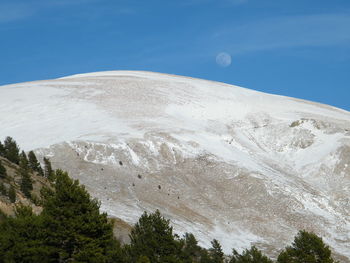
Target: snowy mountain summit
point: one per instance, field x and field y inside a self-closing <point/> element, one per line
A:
<point x="220" y="161"/>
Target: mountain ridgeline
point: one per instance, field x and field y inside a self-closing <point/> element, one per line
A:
<point x="69" y="226"/>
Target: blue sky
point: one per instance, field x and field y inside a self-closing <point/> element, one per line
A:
<point x="298" y="48"/>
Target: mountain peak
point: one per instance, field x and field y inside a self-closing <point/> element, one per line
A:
<point x="238" y="165"/>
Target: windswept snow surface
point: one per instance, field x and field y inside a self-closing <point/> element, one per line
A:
<point x="220" y="161"/>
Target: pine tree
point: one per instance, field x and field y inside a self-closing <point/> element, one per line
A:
<point x="252" y="255"/>
<point x="74" y="226"/>
<point x="48" y="171"/>
<point x="190" y="250"/>
<point x="23" y="160"/>
<point x="153" y="237"/>
<point x="70" y="229"/>
<point x="216" y="253"/>
<point x="3" y="173"/>
<point x="26" y="181"/>
<point x="12" y="194"/>
<point x="205" y="257"/>
<point x="11" y="150"/>
<point x="34" y="164"/>
<point x="2" y="150"/>
<point x="307" y="247"/>
<point x="21" y="238"/>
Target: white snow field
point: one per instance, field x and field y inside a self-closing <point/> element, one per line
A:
<point x="218" y="160"/>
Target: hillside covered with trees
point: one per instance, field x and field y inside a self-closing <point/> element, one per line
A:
<point x="54" y="219"/>
<point x="21" y="178"/>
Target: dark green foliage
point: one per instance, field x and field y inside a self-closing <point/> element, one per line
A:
<point x="12" y="194"/>
<point x="40" y="171"/>
<point x="216" y="253"/>
<point x="143" y="259"/>
<point x="2" y="171"/>
<point x="3" y="189"/>
<point x="26" y="181"/>
<point x="3" y="217"/>
<point x="23" y="160"/>
<point x="205" y="257"/>
<point x="191" y="252"/>
<point x="252" y="255"/>
<point x="307" y="247"/>
<point x="153" y="237"/>
<point x="70" y="229"/>
<point x="36" y="200"/>
<point x="74" y="226"/>
<point x="11" y="150"/>
<point x="34" y="164"/>
<point x="2" y="150"/>
<point x="48" y="171"/>
<point x="20" y="240"/>
<point x="33" y="161"/>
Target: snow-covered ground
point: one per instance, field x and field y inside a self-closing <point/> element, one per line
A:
<point x="233" y="164"/>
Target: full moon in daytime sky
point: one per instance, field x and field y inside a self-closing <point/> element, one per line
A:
<point x="223" y="59"/>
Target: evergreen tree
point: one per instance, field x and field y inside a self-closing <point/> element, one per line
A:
<point x="11" y="150"/>
<point x="26" y="182"/>
<point x="12" y="194"/>
<point x="307" y="247"/>
<point x="23" y="160"/>
<point x="216" y="253"/>
<point x="34" y="164"/>
<point x="252" y="255"/>
<point x="74" y="226"/>
<point x="205" y="257"/>
<point x="21" y="238"/>
<point x="153" y="237"/>
<point x="190" y="250"/>
<point x="2" y="150"/>
<point x="70" y="229"/>
<point x="48" y="171"/>
<point x="2" y="171"/>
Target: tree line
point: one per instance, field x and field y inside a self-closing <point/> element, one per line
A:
<point x="71" y="228"/>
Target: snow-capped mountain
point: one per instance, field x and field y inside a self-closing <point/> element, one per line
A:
<point x="220" y="161"/>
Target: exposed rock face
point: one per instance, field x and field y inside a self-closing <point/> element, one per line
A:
<point x="220" y="161"/>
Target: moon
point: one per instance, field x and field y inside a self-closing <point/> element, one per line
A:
<point x="223" y="59"/>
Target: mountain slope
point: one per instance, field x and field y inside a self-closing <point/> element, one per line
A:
<point x="13" y="179"/>
<point x="219" y="160"/>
